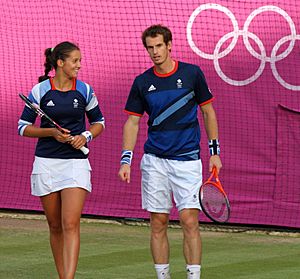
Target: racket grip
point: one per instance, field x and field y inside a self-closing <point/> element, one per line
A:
<point x="84" y="150"/>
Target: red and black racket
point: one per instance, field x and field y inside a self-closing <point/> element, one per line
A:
<point x="213" y="199"/>
<point x="41" y="113"/>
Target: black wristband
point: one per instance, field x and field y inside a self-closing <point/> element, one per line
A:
<point x="214" y="147"/>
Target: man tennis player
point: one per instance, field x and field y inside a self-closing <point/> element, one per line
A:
<point x="170" y="93"/>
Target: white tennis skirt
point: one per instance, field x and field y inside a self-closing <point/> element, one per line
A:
<point x="52" y="175"/>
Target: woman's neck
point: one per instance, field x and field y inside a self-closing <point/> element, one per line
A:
<point x="62" y="84"/>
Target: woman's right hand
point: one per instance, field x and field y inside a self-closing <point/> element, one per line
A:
<point x="62" y="136"/>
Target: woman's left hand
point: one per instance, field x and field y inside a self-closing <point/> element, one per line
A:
<point x="78" y="141"/>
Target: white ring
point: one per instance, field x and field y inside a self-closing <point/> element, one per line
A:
<point x="253" y="77"/>
<point x="288" y="19"/>
<point x="246" y="34"/>
<point x="190" y="25"/>
<point x="273" y="61"/>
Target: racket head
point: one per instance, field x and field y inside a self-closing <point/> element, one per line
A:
<point x="213" y="200"/>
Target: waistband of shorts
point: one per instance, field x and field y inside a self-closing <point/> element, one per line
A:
<point x="174" y="158"/>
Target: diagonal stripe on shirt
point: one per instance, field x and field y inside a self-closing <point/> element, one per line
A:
<point x="169" y="111"/>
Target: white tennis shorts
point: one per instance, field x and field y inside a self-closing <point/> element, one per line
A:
<point x="163" y="179"/>
<point x="52" y="175"/>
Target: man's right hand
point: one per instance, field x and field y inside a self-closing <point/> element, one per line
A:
<point x="124" y="173"/>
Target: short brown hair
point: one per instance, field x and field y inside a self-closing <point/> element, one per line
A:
<point x="155" y="30"/>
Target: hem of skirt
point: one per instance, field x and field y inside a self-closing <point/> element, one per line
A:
<point x="88" y="189"/>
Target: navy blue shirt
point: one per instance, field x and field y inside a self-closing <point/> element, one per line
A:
<point x="171" y="101"/>
<point x="68" y="109"/>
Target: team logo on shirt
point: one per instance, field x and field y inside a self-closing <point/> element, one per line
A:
<point x="50" y="104"/>
<point x="151" y="88"/>
<point x="75" y="103"/>
<point x="179" y="83"/>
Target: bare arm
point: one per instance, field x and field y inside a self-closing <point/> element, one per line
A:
<point x="130" y="133"/>
<point x="211" y="127"/>
<point x="96" y="129"/>
<point x="37" y="132"/>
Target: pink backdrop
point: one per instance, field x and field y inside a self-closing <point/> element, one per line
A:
<point x="249" y="53"/>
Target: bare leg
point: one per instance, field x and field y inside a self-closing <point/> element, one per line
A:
<point x="52" y="208"/>
<point x="191" y="236"/>
<point x="159" y="239"/>
<point x="72" y="205"/>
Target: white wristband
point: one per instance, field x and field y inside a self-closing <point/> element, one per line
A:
<point x="88" y="135"/>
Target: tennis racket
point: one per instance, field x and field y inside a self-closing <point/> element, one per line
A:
<point x="40" y="113"/>
<point x="213" y="199"/>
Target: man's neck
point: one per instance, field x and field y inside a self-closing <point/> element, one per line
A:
<point x="165" y="68"/>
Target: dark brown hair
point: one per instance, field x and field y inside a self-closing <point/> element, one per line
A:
<point x="155" y="30"/>
<point x="61" y="51"/>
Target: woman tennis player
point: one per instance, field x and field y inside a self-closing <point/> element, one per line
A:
<point x="61" y="172"/>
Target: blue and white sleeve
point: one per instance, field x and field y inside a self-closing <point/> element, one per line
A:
<point x="28" y="116"/>
<point x="92" y="109"/>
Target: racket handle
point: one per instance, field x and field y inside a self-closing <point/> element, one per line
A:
<point x="85" y="150"/>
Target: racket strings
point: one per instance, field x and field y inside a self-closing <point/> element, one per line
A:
<point x="214" y="203"/>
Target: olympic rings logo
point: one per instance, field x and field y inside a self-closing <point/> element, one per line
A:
<point x="262" y="56"/>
